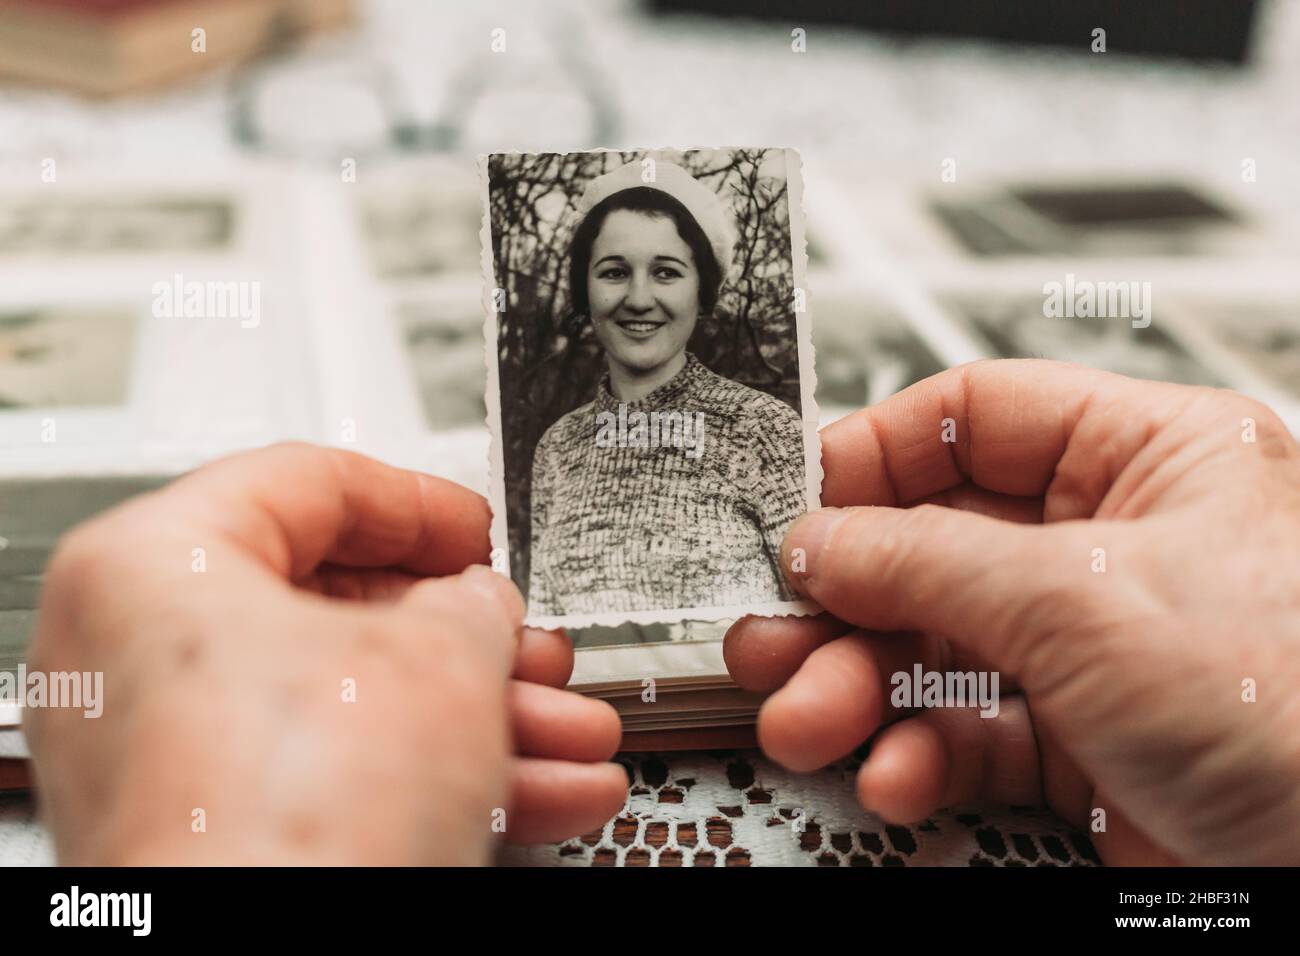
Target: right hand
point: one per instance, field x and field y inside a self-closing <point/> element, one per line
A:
<point x="1129" y="685"/>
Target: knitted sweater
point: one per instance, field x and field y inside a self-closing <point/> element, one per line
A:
<point x="628" y="519"/>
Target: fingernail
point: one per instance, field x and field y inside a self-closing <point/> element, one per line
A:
<point x="494" y="587"/>
<point x="806" y="539"/>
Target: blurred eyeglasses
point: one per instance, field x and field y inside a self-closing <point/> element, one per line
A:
<point x="327" y="103"/>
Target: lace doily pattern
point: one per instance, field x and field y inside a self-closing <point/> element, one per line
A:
<point x="734" y="808"/>
<point x="23" y="841"/>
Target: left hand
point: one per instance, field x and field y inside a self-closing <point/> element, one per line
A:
<point x="230" y="613"/>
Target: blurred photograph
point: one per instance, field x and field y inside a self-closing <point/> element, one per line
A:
<point x="652" y="395"/>
<point x="444" y="346"/>
<point x="866" y="350"/>
<point x="65" y="356"/>
<point x="418" y="224"/>
<point x="1015" y="327"/>
<point x="92" y="227"/>
<point x="1260" y="337"/>
<point x="1092" y="220"/>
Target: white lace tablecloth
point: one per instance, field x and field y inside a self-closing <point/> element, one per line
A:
<point x="23" y="841"/>
<point x="734" y="808"/>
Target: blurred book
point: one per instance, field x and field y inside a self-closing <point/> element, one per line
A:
<point x="1219" y="30"/>
<point x="111" y="47"/>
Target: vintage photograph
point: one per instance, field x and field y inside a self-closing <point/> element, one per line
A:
<point x="87" y="227"/>
<point x="590" y="638"/>
<point x="651" y="387"/>
<point x="419" y="221"/>
<point x="1262" y="336"/>
<point x="1015" y="327"/>
<point x="65" y="356"/>
<point x="866" y="350"/>
<point x="443" y="342"/>
<point x="1101" y="219"/>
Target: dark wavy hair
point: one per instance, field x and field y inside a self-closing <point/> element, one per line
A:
<point x="652" y="202"/>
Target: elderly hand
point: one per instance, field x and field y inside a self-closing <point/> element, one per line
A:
<point x="1125" y="554"/>
<point x="303" y="663"/>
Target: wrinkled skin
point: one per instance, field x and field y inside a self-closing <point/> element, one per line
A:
<point x="1124" y="688"/>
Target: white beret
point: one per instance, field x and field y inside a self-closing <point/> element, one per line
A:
<point x="700" y="201"/>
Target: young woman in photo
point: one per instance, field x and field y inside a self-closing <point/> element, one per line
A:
<point x="638" y="523"/>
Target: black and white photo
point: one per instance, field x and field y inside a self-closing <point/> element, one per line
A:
<point x="650" y="385"/>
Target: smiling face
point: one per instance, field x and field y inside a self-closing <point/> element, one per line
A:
<point x="643" y="288"/>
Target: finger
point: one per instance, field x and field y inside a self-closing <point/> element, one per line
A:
<point x="359" y="584"/>
<point x="293" y="506"/>
<point x="545" y="657"/>
<point x="1016" y="427"/>
<point x="1065" y="788"/>
<point x="971" y="497"/>
<point x="1121" y="842"/>
<point x="553" y="723"/>
<point x="552" y="800"/>
<point x="839" y="697"/>
<point x="478" y="611"/>
<point x="996" y="587"/>
<point x="951" y="757"/>
<point x="762" y="653"/>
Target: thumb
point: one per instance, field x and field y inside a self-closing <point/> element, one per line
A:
<point x="481" y="607"/>
<point x="999" y="588"/>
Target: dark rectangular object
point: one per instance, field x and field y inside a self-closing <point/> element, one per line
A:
<point x="1194" y="29"/>
<point x="1116" y="204"/>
